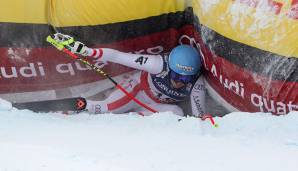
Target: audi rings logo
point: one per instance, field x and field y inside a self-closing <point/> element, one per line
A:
<point x="185" y="39"/>
<point x="97" y="109"/>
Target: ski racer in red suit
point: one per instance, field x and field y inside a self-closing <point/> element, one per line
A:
<point x="163" y="80"/>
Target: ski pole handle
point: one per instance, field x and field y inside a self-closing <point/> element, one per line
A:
<point x="56" y="44"/>
<point x="60" y="45"/>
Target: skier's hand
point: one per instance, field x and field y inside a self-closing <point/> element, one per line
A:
<point x="72" y="45"/>
<point x="78" y="48"/>
<point x="63" y="38"/>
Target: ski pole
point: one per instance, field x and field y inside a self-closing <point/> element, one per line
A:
<point x="61" y="47"/>
<point x="208" y="116"/>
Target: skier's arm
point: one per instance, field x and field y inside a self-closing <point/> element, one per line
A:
<point x="150" y="63"/>
<point x="197" y="98"/>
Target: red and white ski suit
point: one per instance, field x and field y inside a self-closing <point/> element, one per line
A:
<point x="150" y="86"/>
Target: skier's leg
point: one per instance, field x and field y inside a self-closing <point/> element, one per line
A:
<point x="160" y="107"/>
<point x="117" y="101"/>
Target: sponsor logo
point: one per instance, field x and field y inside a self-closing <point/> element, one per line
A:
<point x="80" y="104"/>
<point x="235" y="86"/>
<point x="185" y="39"/>
<point x="97" y="109"/>
<point x="199" y="87"/>
<point x="185" y="68"/>
<point x="167" y="90"/>
<point x="255" y="98"/>
<point x="33" y="70"/>
<point x="274" y="6"/>
<point x="197" y="102"/>
<point x="267" y="105"/>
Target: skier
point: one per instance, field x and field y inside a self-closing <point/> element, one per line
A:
<point x="163" y="80"/>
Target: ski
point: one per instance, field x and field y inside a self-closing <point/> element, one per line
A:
<point x="76" y="104"/>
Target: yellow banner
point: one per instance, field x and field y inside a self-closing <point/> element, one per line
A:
<point x="266" y="24"/>
<point x="23" y="11"/>
<point x="95" y="12"/>
<point x="84" y="12"/>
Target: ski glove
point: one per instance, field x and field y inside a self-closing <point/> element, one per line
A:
<point x="69" y="43"/>
<point x="79" y="48"/>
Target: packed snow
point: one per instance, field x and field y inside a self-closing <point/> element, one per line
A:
<point x="162" y="142"/>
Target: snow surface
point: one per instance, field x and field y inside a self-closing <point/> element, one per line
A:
<point x="56" y="142"/>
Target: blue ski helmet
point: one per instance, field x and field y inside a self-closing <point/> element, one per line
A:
<point x="185" y="60"/>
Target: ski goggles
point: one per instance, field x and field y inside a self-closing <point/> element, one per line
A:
<point x="182" y="78"/>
